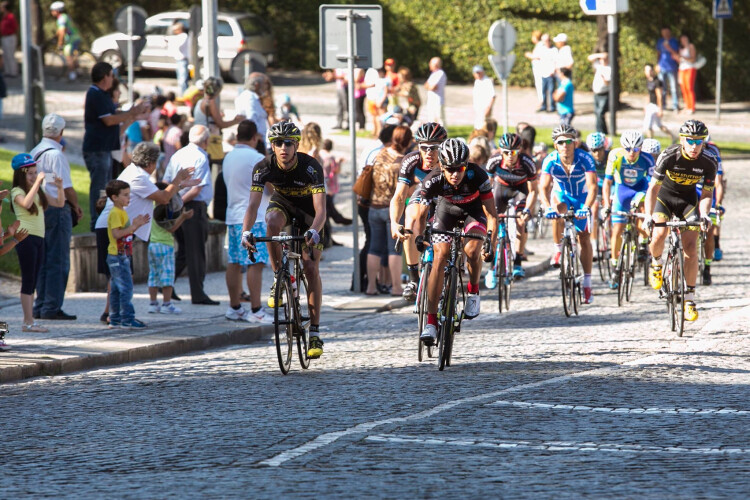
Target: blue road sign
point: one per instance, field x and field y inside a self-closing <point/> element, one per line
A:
<point x="722" y="9"/>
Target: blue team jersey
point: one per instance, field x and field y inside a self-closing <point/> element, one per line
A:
<point x="575" y="183"/>
<point x="712" y="149"/>
<point x="633" y="175"/>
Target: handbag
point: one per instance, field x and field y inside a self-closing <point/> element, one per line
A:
<point x="699" y="62"/>
<point x="215" y="148"/>
<point x="363" y="184"/>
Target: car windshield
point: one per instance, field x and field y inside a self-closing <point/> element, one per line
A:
<point x="253" y="26"/>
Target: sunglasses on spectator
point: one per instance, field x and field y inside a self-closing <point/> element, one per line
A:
<point x="694" y="142"/>
<point x="429" y="148"/>
<point x="283" y="142"/>
<point x="564" y="141"/>
<point x="632" y="150"/>
<point x="455" y="170"/>
<point x="510" y="152"/>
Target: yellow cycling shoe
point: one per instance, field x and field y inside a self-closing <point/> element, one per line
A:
<point x="691" y="312"/>
<point x="272" y="297"/>
<point x="655" y="277"/>
<point x="316" y="348"/>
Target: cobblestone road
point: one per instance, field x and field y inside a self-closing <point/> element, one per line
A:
<point x="607" y="404"/>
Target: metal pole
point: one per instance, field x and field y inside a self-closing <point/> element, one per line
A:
<point x="209" y="30"/>
<point x="614" y="84"/>
<point x="350" y="27"/>
<point x="719" y="47"/>
<point x="506" y="120"/>
<point x="131" y="63"/>
<point x="27" y="75"/>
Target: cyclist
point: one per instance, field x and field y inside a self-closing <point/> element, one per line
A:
<point x="464" y="193"/>
<point x="628" y="170"/>
<point x="299" y="193"/>
<point x="68" y="37"/>
<point x="414" y="167"/>
<point x="574" y="175"/>
<point x="597" y="144"/>
<point x="514" y="179"/>
<point x="652" y="147"/>
<point x="716" y="212"/>
<point x="672" y="193"/>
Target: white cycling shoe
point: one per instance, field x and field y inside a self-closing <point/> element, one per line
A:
<point x="472" y="306"/>
<point x="429" y="334"/>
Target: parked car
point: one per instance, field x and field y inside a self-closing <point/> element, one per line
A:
<point x="241" y="37"/>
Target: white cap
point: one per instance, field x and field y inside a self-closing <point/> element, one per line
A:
<point x="52" y="125"/>
<point x="561" y="37"/>
<point x="58" y="6"/>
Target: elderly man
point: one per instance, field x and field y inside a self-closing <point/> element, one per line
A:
<point x="248" y="103"/>
<point x="483" y="96"/>
<point x="193" y="234"/>
<point x="58" y="221"/>
<point x="435" y="86"/>
<point x="564" y="52"/>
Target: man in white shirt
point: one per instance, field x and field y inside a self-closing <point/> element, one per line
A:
<point x="58" y="221"/>
<point x="192" y="235"/>
<point x="547" y="55"/>
<point x="435" y="86"/>
<point x="237" y="170"/>
<point x="564" y="52"/>
<point x="248" y="104"/>
<point x="177" y="46"/>
<point x="600" y="86"/>
<point x="484" y="96"/>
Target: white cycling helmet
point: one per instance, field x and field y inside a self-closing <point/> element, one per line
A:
<point x="651" y="146"/>
<point x="58" y="6"/>
<point x="631" y="139"/>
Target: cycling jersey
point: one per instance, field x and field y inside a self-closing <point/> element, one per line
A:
<point x="71" y="32"/>
<point x="412" y="169"/>
<point x="679" y="175"/>
<point x="713" y="149"/>
<point x="573" y="184"/>
<point x="516" y="176"/>
<point x="474" y="186"/>
<point x="294" y="186"/>
<point x="634" y="175"/>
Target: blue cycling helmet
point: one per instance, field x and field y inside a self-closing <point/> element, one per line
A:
<point x="596" y="140"/>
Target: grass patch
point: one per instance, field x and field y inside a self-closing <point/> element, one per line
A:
<point x="81" y="182"/>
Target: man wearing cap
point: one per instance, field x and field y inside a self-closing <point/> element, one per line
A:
<point x="58" y="221"/>
<point x="564" y="53"/>
<point x="483" y="95"/>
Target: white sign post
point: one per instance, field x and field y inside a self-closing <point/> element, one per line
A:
<point x="722" y="10"/>
<point x="502" y="39"/>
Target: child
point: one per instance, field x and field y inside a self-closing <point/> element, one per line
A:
<point x="287" y="110"/>
<point x="29" y="202"/>
<point x="161" y="259"/>
<point x="120" y="233"/>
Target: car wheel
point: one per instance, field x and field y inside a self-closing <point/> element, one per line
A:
<point x="114" y="58"/>
<point x="246" y="62"/>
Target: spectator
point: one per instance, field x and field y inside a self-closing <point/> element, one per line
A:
<point x="28" y="202"/>
<point x="157" y="111"/>
<point x="654" y="108"/>
<point x="170" y="107"/>
<point x="687" y="72"/>
<point x="342" y="96"/>
<point x="564" y="58"/>
<point x="311" y="140"/>
<point x="534" y="56"/>
<point x="8" y="39"/>
<point x="360" y="93"/>
<point x="172" y="138"/>
<point x="137" y="132"/>
<point x="208" y="113"/>
<point x="527" y="133"/>
<point x="177" y="45"/>
<point x="435" y="86"/>
<point x="102" y="131"/>
<point x="408" y="93"/>
<point x="377" y="96"/>
<point x="483" y="96"/>
<point x="58" y="220"/>
<point x="237" y="169"/>
<point x="667" y="48"/>
<point x="331" y="168"/>
<point x="600" y="86"/>
<point x="248" y="103"/>
<point x="385" y="171"/>
<point x="119" y="256"/>
<point x="14" y="234"/>
<point x="267" y="99"/>
<point x="161" y="254"/>
<point x="547" y="55"/>
<point x="564" y="97"/>
<point x="287" y="110"/>
<point x="479" y="152"/>
<point x="193" y="234"/>
<point x="490" y="129"/>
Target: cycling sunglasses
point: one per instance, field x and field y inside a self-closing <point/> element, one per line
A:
<point x="283" y="142"/>
<point x="455" y="170"/>
<point x="694" y="142"/>
<point x="632" y="150"/>
<point x="564" y="141"/>
<point x="429" y="148"/>
<point x="510" y="152"/>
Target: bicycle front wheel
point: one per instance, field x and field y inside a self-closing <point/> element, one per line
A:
<point x="678" y="292"/>
<point x="284" y="321"/>
<point x="303" y="336"/>
<point x="565" y="281"/>
<point x="575" y="280"/>
<point x="500" y="274"/>
<point x="508" y="267"/>
<point x="632" y="263"/>
<point x="448" y="319"/>
<point x="55" y="65"/>
<point x="622" y="269"/>
<point x="422" y="310"/>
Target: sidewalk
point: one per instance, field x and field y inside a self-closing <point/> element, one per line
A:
<point x="86" y="343"/>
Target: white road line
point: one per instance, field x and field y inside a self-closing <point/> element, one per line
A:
<point x="618" y="409"/>
<point x="553" y="445"/>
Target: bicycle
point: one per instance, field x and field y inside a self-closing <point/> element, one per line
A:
<point x="504" y="257"/>
<point x="604" y="248"/>
<point x="570" y="273"/>
<point x="626" y="266"/>
<point x="539" y="224"/>
<point x="56" y="65"/>
<point x="673" y="284"/>
<point x="451" y="308"/>
<point x="420" y="304"/>
<point x="291" y="316"/>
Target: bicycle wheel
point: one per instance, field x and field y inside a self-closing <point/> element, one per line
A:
<point x="448" y="316"/>
<point x="55" y="65"/>
<point x="422" y="310"/>
<point x="574" y="281"/>
<point x="85" y="62"/>
<point x="303" y="336"/>
<point x="621" y="269"/>
<point x="601" y="261"/>
<point x="508" y="283"/>
<point x="283" y="321"/>
<point x="666" y="289"/>
<point x="632" y="263"/>
<point x="565" y="270"/>
<point x="500" y="274"/>
<point x="701" y="244"/>
<point x="678" y="292"/>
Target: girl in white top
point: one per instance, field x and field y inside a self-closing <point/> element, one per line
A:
<point x="687" y="72"/>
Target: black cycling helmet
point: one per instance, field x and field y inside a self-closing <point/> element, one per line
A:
<point x="284" y="130"/>
<point x="453" y="153"/>
<point x="693" y="128"/>
<point x="509" y="141"/>
<point x="563" y="130"/>
<point x="430" y="132"/>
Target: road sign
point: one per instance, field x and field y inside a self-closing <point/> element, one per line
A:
<point x="604" y="7"/>
<point x="502" y="37"/>
<point x="138" y="44"/>
<point x="368" y="32"/>
<point x="722" y="9"/>
<point x="502" y="65"/>
<point x="139" y="19"/>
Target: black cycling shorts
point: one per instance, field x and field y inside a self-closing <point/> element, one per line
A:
<point x="292" y="212"/>
<point x="504" y="194"/>
<point x="448" y="216"/>
<point x="671" y="204"/>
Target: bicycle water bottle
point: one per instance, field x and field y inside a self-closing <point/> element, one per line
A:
<point x="428" y="255"/>
<point x="501" y="231"/>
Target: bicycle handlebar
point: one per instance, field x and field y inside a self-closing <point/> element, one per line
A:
<point x="627" y="214"/>
<point x="277" y="239"/>
<point x="679" y="223"/>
